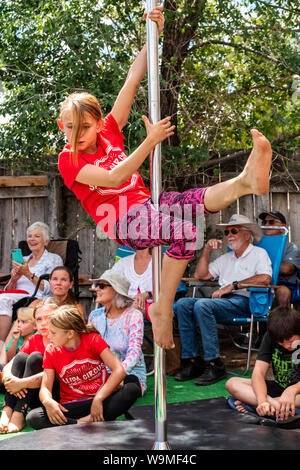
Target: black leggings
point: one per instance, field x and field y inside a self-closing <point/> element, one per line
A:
<point x="25" y="365"/>
<point x="113" y="406"/>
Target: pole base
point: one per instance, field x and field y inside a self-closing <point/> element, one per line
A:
<point x="161" y="446"/>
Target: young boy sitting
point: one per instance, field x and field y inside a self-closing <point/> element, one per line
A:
<point x="280" y="347"/>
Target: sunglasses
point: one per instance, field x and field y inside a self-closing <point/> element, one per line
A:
<point x="270" y="222"/>
<point x="234" y="231"/>
<point x="101" y="285"/>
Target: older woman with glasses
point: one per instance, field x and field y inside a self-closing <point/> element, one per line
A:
<point x="121" y="326"/>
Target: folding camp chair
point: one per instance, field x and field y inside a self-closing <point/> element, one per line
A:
<point x="261" y="297"/>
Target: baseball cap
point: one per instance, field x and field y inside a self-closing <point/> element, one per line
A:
<point x="275" y="214"/>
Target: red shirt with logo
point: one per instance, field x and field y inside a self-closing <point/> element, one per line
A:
<point x="81" y="372"/>
<point x="105" y="205"/>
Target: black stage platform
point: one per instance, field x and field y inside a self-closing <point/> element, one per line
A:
<point x="196" y="425"/>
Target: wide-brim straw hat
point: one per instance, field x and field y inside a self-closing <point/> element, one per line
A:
<point x="117" y="281"/>
<point x="242" y="220"/>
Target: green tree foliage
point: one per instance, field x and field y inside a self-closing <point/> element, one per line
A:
<point x="226" y="66"/>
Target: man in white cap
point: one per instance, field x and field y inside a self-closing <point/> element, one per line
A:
<point x="244" y="264"/>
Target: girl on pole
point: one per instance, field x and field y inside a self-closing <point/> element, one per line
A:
<point x="106" y="181"/>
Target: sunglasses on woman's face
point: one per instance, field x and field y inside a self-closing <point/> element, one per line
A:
<point x="234" y="231"/>
<point x="102" y="286"/>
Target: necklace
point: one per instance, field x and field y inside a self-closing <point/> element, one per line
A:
<point x="108" y="311"/>
<point x="106" y="325"/>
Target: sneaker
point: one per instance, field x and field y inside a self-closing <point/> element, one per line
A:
<point x="190" y="371"/>
<point x="212" y="374"/>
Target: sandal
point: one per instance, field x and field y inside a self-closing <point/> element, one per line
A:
<point x="231" y="402"/>
<point x="289" y="422"/>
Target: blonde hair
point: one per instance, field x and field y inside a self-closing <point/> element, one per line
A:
<point x="26" y="314"/>
<point x="80" y="104"/>
<point x="45" y="302"/>
<point x="68" y="317"/>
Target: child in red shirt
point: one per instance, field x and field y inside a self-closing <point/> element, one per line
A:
<point x="79" y="358"/>
<point x="23" y="374"/>
<point x="94" y="166"/>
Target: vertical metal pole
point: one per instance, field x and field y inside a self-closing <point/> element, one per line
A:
<point x="155" y="161"/>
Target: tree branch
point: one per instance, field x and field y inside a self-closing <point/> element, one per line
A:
<point x="236" y="46"/>
<point x="283" y="138"/>
<point x="279" y="7"/>
<point x="245" y="152"/>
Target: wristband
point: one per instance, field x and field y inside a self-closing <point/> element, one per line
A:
<point x="32" y="277"/>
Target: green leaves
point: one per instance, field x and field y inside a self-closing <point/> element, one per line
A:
<point x="227" y="66"/>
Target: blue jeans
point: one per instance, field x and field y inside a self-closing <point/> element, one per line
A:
<point x="207" y="313"/>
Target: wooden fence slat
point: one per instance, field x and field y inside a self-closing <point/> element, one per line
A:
<point x="37" y="211"/>
<point x="15" y="181"/>
<point x="262" y="204"/>
<point x="21" y="220"/>
<point x="6" y="239"/>
<point x="86" y="242"/>
<point x="294" y="214"/>
<point x="31" y="204"/>
<point x="246" y="206"/>
<point x="104" y="255"/>
<point x="23" y="192"/>
<point x="280" y="203"/>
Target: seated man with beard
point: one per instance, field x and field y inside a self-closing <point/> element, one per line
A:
<point x="244" y="264"/>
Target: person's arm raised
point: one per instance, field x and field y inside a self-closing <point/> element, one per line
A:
<point x="96" y="176"/>
<point x="137" y="71"/>
<point x="202" y="272"/>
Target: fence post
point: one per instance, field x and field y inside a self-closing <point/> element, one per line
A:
<point x="54" y="205"/>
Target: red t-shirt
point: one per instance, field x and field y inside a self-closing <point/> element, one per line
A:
<point x="81" y="372"/>
<point x="34" y="343"/>
<point x="105" y="205"/>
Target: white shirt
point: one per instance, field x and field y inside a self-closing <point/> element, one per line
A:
<point x="143" y="281"/>
<point x="228" y="268"/>
<point x="45" y="264"/>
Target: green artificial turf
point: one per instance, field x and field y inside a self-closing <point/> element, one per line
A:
<point x="183" y="391"/>
<point x="176" y="392"/>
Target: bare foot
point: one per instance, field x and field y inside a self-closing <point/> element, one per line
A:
<point x="5" y="419"/>
<point x="239" y="407"/>
<point x="162" y="327"/>
<point x="16" y="423"/>
<point x="85" y="419"/>
<point x="255" y="175"/>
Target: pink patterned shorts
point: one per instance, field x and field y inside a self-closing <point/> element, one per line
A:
<point x="145" y="226"/>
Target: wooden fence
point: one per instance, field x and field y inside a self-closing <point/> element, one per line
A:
<point x="27" y="199"/>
